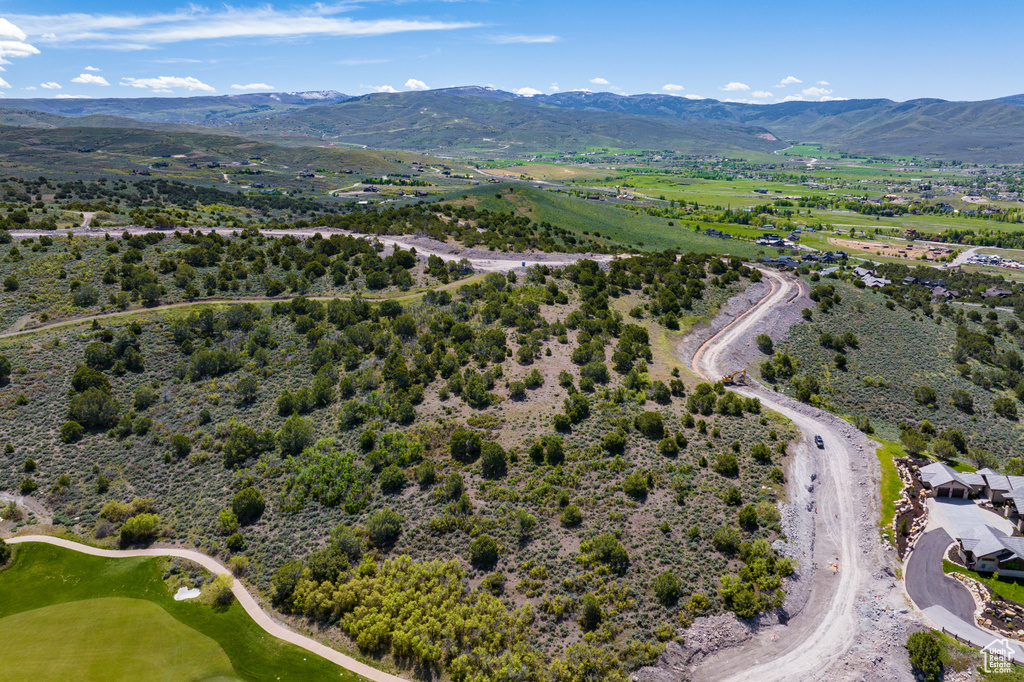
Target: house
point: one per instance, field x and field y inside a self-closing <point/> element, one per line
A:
<point x="873" y="282"/>
<point x="997" y="486"/>
<point x="993" y="291"/>
<point x="987" y="550"/>
<point x="943" y="480"/>
<point x="862" y="272"/>
<point x="909" y="280"/>
<point x="943" y="292"/>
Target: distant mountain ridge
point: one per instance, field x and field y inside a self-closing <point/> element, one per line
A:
<point x="201" y="110"/>
<point x="485" y="121"/>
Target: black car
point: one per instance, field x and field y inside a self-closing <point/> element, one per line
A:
<point x="819" y="442"/>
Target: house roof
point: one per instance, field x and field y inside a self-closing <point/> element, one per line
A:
<point x="984" y="541"/>
<point x="938" y="473"/>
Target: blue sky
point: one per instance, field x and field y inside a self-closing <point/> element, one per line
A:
<point x="731" y="49"/>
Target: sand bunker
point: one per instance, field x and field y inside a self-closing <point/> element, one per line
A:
<point x="185" y="593"/>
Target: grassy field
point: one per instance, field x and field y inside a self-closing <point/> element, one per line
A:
<point x="604" y="221"/>
<point x="109" y="638"/>
<point x="891" y="484"/>
<point x="118" y="620"/>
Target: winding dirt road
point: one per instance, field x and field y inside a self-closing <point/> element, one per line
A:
<point x="819" y="640"/>
<point x="241" y="594"/>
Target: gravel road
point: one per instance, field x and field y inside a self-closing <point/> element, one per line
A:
<point x="845" y="618"/>
<point x="481" y="259"/>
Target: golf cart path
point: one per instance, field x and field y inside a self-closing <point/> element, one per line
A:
<point x="835" y="490"/>
<point x="241" y="594"/>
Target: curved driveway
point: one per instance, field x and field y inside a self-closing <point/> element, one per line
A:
<point x="928" y="586"/>
<point x="241" y="594"/>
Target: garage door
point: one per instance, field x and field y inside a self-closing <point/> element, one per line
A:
<point x="956" y="492"/>
<point x="942" y="492"/>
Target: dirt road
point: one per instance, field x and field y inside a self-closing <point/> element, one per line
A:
<point x="250" y="605"/>
<point x="481" y="259"/>
<point x="852" y="621"/>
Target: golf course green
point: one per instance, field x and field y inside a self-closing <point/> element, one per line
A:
<point x="69" y="616"/>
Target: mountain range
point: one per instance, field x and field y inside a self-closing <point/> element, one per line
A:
<point x="486" y="122"/>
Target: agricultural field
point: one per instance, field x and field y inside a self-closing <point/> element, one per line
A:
<point x="97" y="611"/>
<point x="525" y="438"/>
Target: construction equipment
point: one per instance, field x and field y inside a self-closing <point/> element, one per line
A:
<point x="739" y="377"/>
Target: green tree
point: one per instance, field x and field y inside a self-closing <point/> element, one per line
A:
<point x="667" y="588"/>
<point x="248" y="505"/>
<point x="765" y="344"/>
<point x="247" y="389"/>
<point x="925" y="395"/>
<point x="139" y="529"/>
<point x="726" y="539"/>
<point x="392" y="479"/>
<point x="925" y="654"/>
<point x="483" y="552"/>
<point x="571" y="516"/>
<point x="295" y="435"/>
<point x="492" y="460"/>
<point x="384" y="527"/>
<point x="590" y="613"/>
<point x="5" y="368"/>
<point x="94" y="409"/>
<point x="962" y="400"/>
<point x="464" y="445"/>
<point x="651" y="425"/>
<point x="181" y="446"/>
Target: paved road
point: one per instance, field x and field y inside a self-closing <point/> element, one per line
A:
<point x="928" y="586"/>
<point x="241" y="594"/>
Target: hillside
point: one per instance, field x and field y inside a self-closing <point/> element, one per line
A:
<point x="478" y="120"/>
<point x="486" y="122"/>
<point x="203" y="110"/>
<point x="514" y="458"/>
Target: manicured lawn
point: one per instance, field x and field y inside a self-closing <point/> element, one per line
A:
<point x="44" y="585"/>
<point x="891" y="484"/>
<point x="1007" y="588"/>
<point x="89" y="639"/>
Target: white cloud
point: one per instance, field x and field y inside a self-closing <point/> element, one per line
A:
<point x="91" y="68"/>
<point x="554" y="87"/>
<point x="599" y="81"/>
<point x="12" y="42"/>
<point x="793" y="98"/>
<point x="788" y="80"/>
<point x="63" y="96"/>
<point x="761" y="94"/>
<point x="252" y="86"/>
<point x="528" y="92"/>
<point x="31" y="87"/>
<point x="89" y="79"/>
<point x="834" y="99"/>
<point x="143" y="31"/>
<point x="4" y="84"/>
<point x="414" y="84"/>
<point x="692" y="96"/>
<point x="167" y="83"/>
<point x="380" y="88"/>
<point x="735" y="87"/>
<point x="815" y="93"/>
<point x="520" y="38"/>
<point x="50" y="86"/>
<point x="672" y="87"/>
<point x="823" y="83"/>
